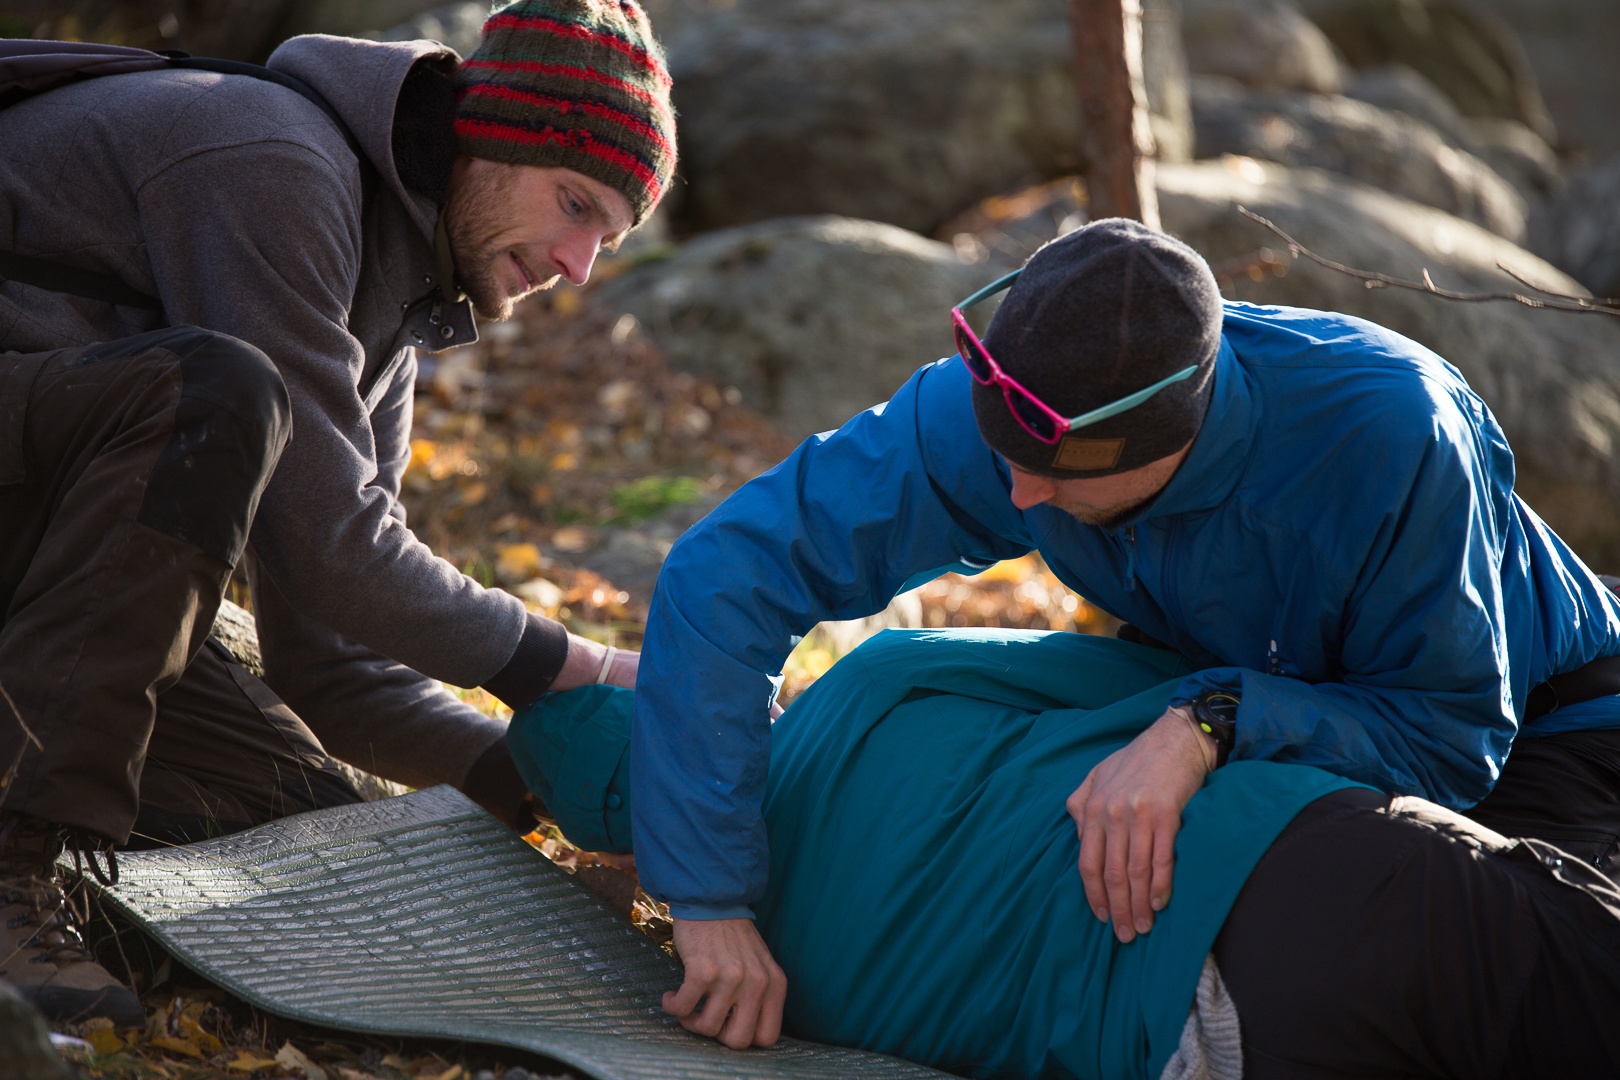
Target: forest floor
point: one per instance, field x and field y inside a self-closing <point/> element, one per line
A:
<point x="531" y="448"/>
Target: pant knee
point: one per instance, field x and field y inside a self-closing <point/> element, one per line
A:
<point x="239" y="379"/>
<point x="231" y="423"/>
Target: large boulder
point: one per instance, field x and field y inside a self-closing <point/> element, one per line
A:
<point x="1572" y="45"/>
<point x="813" y="319"/>
<point x="1398" y="88"/>
<point x="1266" y="44"/>
<point x="1388" y="150"/>
<point x="902" y="111"/>
<point x="1519" y="156"/>
<point x="1579" y="231"/>
<point x="1469" y="53"/>
<point x="1551" y="378"/>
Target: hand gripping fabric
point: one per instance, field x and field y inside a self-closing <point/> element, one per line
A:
<point x="424" y="916"/>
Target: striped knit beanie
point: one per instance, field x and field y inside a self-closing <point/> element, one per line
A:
<point x="579" y="84"/>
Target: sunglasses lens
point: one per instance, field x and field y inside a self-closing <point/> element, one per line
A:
<point x="1037" y="421"/>
<point x="978" y="364"/>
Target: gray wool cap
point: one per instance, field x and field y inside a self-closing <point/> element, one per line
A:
<point x="1097" y="315"/>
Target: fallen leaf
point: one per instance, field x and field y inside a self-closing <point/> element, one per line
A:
<point x="349" y="1072"/>
<point x="246" y="1063"/>
<point x="290" y="1057"/>
<point x="423" y="451"/>
<point x="105" y="1041"/>
<point x="517" y="562"/>
<point x="179" y="1046"/>
<point x="570" y="539"/>
<point x="454" y="1072"/>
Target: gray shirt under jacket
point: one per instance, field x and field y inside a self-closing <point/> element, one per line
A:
<point x="240" y="205"/>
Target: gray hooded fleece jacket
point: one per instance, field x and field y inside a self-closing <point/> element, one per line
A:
<point x="239" y="204"/>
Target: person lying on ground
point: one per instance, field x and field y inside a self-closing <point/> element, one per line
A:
<point x="1317" y="513"/>
<point x="245" y="401"/>
<point x="922" y="898"/>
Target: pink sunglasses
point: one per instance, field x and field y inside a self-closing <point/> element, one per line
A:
<point x="1034" y="415"/>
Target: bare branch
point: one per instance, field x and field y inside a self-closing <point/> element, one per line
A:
<point x="1557" y="301"/>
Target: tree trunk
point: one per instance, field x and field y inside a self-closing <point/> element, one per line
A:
<point x="1116" y="139"/>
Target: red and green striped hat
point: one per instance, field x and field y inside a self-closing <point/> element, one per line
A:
<point x="579" y="84"/>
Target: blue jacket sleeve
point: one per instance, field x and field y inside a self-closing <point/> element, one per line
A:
<point x="834" y="532"/>
<point x="1426" y="701"/>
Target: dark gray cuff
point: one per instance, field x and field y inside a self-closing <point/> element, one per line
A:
<point x="493" y="783"/>
<point x="535" y="663"/>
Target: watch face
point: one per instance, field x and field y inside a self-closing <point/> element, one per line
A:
<point x="1216" y="712"/>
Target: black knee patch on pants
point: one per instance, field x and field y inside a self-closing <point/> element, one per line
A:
<point x="230" y="426"/>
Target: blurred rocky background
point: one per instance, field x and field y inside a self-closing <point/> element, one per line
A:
<point x="850" y="168"/>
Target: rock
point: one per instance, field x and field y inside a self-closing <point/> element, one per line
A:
<point x="235" y="628"/>
<point x="1388" y="150"/>
<point x="813" y="319"/>
<point x="25" y="1042"/>
<point x="455" y="25"/>
<point x="1468" y="53"/>
<point x="630" y="556"/>
<point x="1400" y="89"/>
<point x="1579" y="231"/>
<point x="1265" y="44"/>
<point x="1550" y="378"/>
<point x="901" y="111"/>
<point x="1519" y="155"/>
<point x="1572" y="45"/>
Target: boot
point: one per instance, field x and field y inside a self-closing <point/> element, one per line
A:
<point x="42" y="956"/>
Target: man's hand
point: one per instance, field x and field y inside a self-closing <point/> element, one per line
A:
<point x="584" y="663"/>
<point x="1128" y="812"/>
<point x="728" y="964"/>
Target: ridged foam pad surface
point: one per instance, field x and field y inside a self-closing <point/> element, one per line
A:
<point x="424" y="916"/>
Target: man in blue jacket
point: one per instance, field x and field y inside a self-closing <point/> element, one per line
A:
<point x="1314" y="510"/>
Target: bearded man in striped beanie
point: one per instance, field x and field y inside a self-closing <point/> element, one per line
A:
<point x="563" y="122"/>
<point x="245" y="253"/>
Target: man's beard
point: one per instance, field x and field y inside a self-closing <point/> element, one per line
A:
<point x="473" y="219"/>
<point x="1104" y="517"/>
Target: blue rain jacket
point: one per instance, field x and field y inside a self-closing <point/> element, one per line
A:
<point x="1342" y="547"/>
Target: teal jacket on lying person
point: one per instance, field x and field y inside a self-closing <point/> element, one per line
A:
<point x="922" y="895"/>
<point x="1342" y="546"/>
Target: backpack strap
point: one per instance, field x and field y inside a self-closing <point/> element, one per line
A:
<point x="32" y="67"/>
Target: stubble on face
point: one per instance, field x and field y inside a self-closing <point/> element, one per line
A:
<point x="1104" y="517"/>
<point x="475" y="218"/>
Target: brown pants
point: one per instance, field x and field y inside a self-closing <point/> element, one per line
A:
<point x="129" y="475"/>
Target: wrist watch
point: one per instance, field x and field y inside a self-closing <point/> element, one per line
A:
<point x="1215" y="713"/>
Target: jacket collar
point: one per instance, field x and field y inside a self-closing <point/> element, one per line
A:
<point x="1220" y="451"/>
<point x="362" y="80"/>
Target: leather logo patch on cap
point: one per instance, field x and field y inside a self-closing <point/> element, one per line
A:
<point x="1081" y="454"/>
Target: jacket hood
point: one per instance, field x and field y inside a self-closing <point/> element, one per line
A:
<point x="362" y="80"/>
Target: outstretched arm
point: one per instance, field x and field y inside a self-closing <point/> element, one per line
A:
<point x="900" y="493"/>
